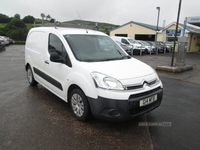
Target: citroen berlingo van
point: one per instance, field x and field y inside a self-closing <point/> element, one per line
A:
<point x="90" y="71"/>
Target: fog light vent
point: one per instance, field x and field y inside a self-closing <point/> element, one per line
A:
<point x="115" y="113"/>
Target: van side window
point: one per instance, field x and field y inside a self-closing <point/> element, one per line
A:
<point x="56" y="45"/>
<point x="124" y="41"/>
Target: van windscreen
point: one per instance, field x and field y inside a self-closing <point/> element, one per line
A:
<point x="93" y="48"/>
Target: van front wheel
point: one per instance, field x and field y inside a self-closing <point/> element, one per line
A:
<point x="79" y="105"/>
<point x="30" y="77"/>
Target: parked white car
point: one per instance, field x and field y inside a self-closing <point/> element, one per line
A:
<point x="2" y="42"/>
<point x="90" y="71"/>
<point x="5" y="39"/>
<point x="137" y="48"/>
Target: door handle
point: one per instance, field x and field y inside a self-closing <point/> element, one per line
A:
<point x="46" y="62"/>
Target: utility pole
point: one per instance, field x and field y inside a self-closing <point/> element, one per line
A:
<point x="158" y="8"/>
<point x="177" y="23"/>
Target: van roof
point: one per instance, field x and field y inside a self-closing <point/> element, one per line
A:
<point x="65" y="31"/>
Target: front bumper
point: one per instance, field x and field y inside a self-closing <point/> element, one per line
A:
<point x="138" y="51"/>
<point x="152" y="50"/>
<point x="122" y="110"/>
<point x="161" y="50"/>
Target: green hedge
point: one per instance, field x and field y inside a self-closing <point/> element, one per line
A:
<point x="20" y="42"/>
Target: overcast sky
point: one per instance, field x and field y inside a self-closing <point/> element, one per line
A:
<point x="111" y="11"/>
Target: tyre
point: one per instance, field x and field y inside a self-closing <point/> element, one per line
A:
<point x="30" y="77"/>
<point x="79" y="105"/>
<point x="146" y="51"/>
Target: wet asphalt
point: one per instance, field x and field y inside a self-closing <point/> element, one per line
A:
<point x="33" y="118"/>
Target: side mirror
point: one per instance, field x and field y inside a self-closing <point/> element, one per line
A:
<point x="122" y="44"/>
<point x="54" y="57"/>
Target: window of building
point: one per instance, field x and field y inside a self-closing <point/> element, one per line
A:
<point x="170" y="35"/>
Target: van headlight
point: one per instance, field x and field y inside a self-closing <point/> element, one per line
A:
<point x="106" y="82"/>
<point x="158" y="79"/>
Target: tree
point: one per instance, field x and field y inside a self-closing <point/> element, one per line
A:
<point x="52" y="20"/>
<point x="43" y="16"/>
<point x="16" y="29"/>
<point x="18" y="34"/>
<point x="28" y="19"/>
<point x="17" y="16"/>
<point x="15" y="23"/>
<point x="4" y="18"/>
<point x="2" y="32"/>
<point x="48" y="17"/>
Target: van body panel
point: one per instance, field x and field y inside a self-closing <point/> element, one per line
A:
<point x="83" y="80"/>
<point x="121" y="69"/>
<point x="34" y="54"/>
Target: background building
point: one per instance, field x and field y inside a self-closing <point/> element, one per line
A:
<point x="141" y="31"/>
<point x="192" y="33"/>
<point x="194" y="21"/>
<point x="136" y="30"/>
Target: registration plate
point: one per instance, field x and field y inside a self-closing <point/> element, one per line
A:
<point x="148" y="100"/>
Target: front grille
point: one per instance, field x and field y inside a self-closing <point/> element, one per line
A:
<point x="144" y="93"/>
<point x="151" y="83"/>
<point x="134" y="87"/>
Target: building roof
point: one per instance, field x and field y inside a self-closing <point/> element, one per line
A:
<point x="189" y="28"/>
<point x="194" y="20"/>
<point x="152" y="27"/>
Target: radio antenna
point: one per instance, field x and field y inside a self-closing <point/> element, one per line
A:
<point x="78" y="14"/>
<point x="81" y="19"/>
<point x="55" y="24"/>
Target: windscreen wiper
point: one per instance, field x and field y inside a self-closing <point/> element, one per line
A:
<point x="98" y="60"/>
<point x="127" y="56"/>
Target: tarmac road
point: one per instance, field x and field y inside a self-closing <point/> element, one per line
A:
<point x="33" y="118"/>
<point x="180" y="105"/>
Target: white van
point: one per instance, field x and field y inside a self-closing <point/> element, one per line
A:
<point x="137" y="47"/>
<point x="90" y="71"/>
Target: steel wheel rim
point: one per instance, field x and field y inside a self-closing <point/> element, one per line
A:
<point x="29" y="76"/>
<point x="77" y="104"/>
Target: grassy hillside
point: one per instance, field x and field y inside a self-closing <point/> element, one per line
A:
<point x="39" y="21"/>
<point x="104" y="27"/>
<point x="92" y="23"/>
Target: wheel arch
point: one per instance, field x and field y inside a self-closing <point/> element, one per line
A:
<point x="26" y="66"/>
<point x="71" y="88"/>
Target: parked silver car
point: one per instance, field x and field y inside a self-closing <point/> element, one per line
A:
<point x="167" y="47"/>
<point x="127" y="48"/>
<point x="148" y="47"/>
<point x="158" y="46"/>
